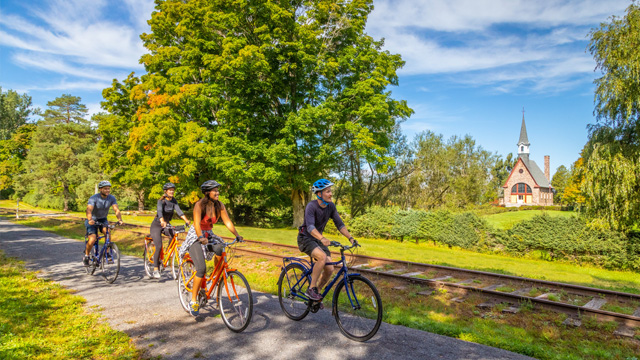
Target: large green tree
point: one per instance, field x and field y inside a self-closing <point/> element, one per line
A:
<point x="13" y="152"/>
<point x="15" y="110"/>
<point x="612" y="155"/>
<point x="559" y="182"/>
<point x="264" y="96"/>
<point x="63" y="153"/>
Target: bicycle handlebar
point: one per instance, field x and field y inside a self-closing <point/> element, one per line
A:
<point x="110" y="226"/>
<point x="345" y="247"/>
<point x="178" y="229"/>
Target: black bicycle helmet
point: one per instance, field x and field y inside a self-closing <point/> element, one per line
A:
<point x="168" y="186"/>
<point x="103" y="183"/>
<point x="209" y="185"/>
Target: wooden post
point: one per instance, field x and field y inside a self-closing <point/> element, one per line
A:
<point x="17" y="208"/>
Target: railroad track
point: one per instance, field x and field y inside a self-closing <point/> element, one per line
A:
<point x="574" y="300"/>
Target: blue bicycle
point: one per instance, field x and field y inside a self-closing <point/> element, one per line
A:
<point x="356" y="305"/>
<point x="107" y="257"/>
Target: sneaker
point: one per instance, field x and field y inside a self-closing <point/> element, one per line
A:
<point x="312" y="293"/>
<point x="194" y="308"/>
<point x="85" y="260"/>
<point x="156" y="274"/>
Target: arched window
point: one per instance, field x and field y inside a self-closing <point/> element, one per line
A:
<point x="521" y="148"/>
<point x="520" y="189"/>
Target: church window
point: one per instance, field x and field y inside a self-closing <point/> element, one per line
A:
<point x="520" y="188"/>
<point x="521" y="148"/>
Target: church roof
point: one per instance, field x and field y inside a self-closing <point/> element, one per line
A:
<point x="523" y="134"/>
<point x="536" y="173"/>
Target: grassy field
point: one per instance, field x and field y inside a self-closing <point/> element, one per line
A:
<point x="506" y="220"/>
<point x="535" y="333"/>
<point x="39" y="319"/>
<point x="626" y="281"/>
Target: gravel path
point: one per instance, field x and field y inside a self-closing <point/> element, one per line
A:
<point x="150" y="313"/>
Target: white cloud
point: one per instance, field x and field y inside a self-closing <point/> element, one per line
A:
<point x="500" y="43"/>
<point x="65" y="85"/>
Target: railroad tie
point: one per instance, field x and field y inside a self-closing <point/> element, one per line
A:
<point x="489" y="304"/>
<point x="493" y="287"/>
<point x="624" y="331"/>
<point x="441" y="278"/>
<point x="545" y="296"/>
<point x="511" y="309"/>
<point x="570" y="321"/>
<point x="595" y="303"/>
<point x="637" y="312"/>
<point x="426" y="292"/>
<point x="414" y="273"/>
<point x="523" y="291"/>
<point x="465" y="282"/>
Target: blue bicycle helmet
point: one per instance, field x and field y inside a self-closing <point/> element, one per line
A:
<point x="321" y="185"/>
<point x="103" y="183"/>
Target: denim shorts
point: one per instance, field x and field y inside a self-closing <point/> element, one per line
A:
<point x="93" y="229"/>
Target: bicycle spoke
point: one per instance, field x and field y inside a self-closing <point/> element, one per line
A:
<point x="290" y="284"/>
<point x="235" y="301"/>
<point x="357" y="308"/>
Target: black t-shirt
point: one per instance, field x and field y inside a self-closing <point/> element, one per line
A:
<point x="166" y="209"/>
<point x="317" y="217"/>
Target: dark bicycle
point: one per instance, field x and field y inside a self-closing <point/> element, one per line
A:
<point x="356" y="305"/>
<point x="106" y="258"/>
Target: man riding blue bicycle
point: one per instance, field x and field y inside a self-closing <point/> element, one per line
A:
<point x="310" y="238"/>
<point x="97" y="209"/>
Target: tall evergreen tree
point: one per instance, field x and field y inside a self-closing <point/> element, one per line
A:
<point x="63" y="151"/>
<point x="15" y="110"/>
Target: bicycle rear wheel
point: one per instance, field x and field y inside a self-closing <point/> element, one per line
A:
<point x="357" y="308"/>
<point x="148" y="259"/>
<point x="294" y="307"/>
<point x="175" y="268"/>
<point x="235" y="301"/>
<point x="185" y="282"/>
<point x="110" y="263"/>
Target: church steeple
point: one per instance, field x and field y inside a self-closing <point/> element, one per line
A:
<point x="523" y="142"/>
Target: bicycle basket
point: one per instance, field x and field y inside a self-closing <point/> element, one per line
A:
<point x="179" y="229"/>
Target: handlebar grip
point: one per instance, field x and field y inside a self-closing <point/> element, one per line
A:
<point x="335" y="243"/>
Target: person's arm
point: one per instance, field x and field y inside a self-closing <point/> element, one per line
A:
<point x="118" y="215"/>
<point x="181" y="214"/>
<point x="337" y="220"/>
<point x="89" y="217"/>
<point x="159" y="213"/>
<point x="227" y="222"/>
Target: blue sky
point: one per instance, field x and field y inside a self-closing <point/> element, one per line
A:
<point x="471" y="65"/>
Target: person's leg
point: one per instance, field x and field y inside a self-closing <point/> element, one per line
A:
<point x="197" y="255"/>
<point x="326" y="275"/>
<point x="156" y="235"/>
<point x="321" y="260"/>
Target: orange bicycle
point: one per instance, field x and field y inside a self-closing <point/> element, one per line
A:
<point x="233" y="295"/>
<point x="171" y="251"/>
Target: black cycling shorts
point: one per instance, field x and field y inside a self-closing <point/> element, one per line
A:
<point x="307" y="244"/>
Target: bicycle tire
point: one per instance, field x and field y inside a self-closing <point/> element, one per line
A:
<point x="235" y="301"/>
<point x="293" y="307"/>
<point x="362" y="321"/>
<point x="186" y="269"/>
<point x="148" y="262"/>
<point x="110" y="263"/>
<point x="174" y="264"/>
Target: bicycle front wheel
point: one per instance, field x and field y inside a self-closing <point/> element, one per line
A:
<point x="186" y="271"/>
<point x="148" y="259"/>
<point x="110" y="263"/>
<point x="235" y="301"/>
<point x="290" y="285"/>
<point x="357" y="308"/>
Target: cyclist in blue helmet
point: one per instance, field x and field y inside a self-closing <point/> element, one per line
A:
<point x="310" y="238"/>
<point x="97" y="209"/>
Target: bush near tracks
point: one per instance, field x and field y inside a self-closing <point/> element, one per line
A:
<point x="554" y="238"/>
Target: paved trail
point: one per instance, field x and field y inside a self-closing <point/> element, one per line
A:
<point x="149" y="312"/>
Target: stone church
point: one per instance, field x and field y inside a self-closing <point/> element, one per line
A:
<point x="527" y="184"/>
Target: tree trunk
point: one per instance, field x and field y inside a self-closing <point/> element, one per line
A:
<point x="140" y="200"/>
<point x="66" y="196"/>
<point x="298" y="201"/>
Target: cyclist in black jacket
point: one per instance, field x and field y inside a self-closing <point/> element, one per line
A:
<point x="167" y="205"/>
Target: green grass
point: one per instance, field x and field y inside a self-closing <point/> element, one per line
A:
<point x="39" y="319"/>
<point x="626" y="281"/>
<point x="538" y="334"/>
<point x="506" y="220"/>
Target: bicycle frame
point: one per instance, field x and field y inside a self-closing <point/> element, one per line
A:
<point x="99" y="253"/>
<point x="171" y="248"/>
<point x="219" y="274"/>
<point x="306" y="276"/>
